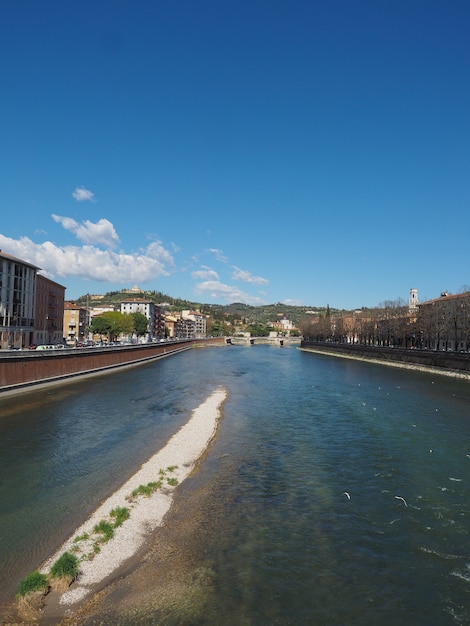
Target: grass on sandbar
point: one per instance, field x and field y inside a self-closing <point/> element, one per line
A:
<point x="120" y="514"/>
<point x="33" y="582"/>
<point x="146" y="490"/>
<point x="66" y="565"/>
<point x="105" y="529"/>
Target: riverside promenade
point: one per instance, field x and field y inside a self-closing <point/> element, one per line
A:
<point x="23" y="370"/>
<point x="453" y="364"/>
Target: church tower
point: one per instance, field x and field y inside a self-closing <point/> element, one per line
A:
<point x="413" y="303"/>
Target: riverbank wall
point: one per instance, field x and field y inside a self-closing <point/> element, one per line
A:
<point x="448" y="363"/>
<point x="21" y="370"/>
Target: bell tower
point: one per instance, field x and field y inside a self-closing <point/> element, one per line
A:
<point x="413" y="303"/>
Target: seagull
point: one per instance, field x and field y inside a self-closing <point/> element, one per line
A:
<point x="347" y="495"/>
<point x="400" y="498"/>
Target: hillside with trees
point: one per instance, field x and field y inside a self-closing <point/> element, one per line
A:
<point x="229" y="314"/>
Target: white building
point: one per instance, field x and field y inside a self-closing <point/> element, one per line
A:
<point x="192" y="325"/>
<point x="146" y="307"/>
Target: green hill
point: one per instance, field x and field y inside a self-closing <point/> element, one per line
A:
<point x="229" y="313"/>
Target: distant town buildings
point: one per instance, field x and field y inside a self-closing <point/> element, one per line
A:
<point x="33" y="311"/>
<point x="283" y="326"/>
<point x="439" y="324"/>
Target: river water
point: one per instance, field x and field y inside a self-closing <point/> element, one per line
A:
<point x="346" y="485"/>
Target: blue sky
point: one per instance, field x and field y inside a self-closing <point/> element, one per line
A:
<point x="258" y="151"/>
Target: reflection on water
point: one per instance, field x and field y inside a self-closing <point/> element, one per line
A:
<point x="342" y="488"/>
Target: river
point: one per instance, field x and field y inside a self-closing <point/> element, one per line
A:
<point x="344" y="486"/>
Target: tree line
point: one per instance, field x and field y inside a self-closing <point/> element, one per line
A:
<point x="112" y="324"/>
<point x="441" y="324"/>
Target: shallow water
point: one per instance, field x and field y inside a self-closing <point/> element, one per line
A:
<point x="344" y="486"/>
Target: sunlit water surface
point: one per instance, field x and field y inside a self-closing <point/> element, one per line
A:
<point x="346" y="492"/>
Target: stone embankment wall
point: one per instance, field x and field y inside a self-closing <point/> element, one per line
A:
<point x="20" y="370"/>
<point x="450" y="362"/>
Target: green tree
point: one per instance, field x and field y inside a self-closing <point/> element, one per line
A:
<point x="100" y="326"/>
<point x="218" y="329"/>
<point x="116" y="323"/>
<point x="141" y="323"/>
<point x="127" y="324"/>
<point x="259" y="330"/>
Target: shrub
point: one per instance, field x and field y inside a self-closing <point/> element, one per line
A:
<point x="64" y="572"/>
<point x="33" y="582"/>
<point x="172" y="481"/>
<point x="65" y="566"/>
<point x="105" y="529"/>
<point x="172" y="468"/>
<point x="120" y="515"/>
<point x="146" y="490"/>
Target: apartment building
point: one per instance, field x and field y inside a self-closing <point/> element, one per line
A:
<point x="76" y="323"/>
<point x="17" y="301"/>
<point x="191" y="325"/>
<point x="48" y="312"/>
<point x="444" y="323"/>
<point x="145" y="307"/>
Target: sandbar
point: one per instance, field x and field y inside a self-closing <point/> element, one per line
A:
<point x="170" y="466"/>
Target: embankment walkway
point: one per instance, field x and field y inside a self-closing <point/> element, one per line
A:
<point x="452" y="364"/>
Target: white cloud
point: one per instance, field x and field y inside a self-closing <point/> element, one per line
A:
<point x="92" y="263"/>
<point x="246" y="276"/>
<point x="156" y="251"/>
<point x="102" y="232"/>
<point x="292" y="302"/>
<point x="221" y="291"/>
<point x="219" y="255"/>
<point x="206" y="273"/>
<point x="81" y="194"/>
